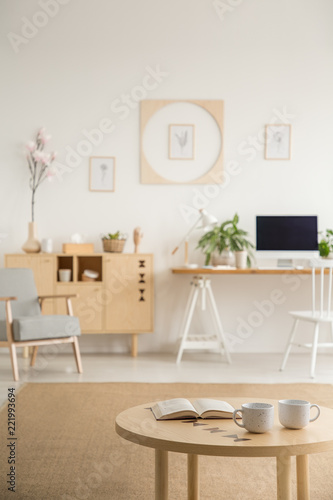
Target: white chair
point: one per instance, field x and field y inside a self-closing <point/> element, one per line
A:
<point x="319" y="314"/>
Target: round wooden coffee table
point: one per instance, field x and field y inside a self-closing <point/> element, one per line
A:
<point x="222" y="437"/>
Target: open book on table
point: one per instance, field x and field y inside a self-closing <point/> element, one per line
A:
<point x="179" y="408"/>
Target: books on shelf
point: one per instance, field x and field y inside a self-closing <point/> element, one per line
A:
<point x="179" y="408"/>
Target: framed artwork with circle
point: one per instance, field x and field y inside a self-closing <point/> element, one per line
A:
<point x="173" y="131"/>
<point x="102" y="173"/>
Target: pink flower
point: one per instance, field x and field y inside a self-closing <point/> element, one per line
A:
<point x="53" y="156"/>
<point x="41" y="156"/>
<point x="38" y="155"/>
<point x="50" y="174"/>
<point x="31" y="146"/>
<point x="46" y="158"/>
<point x="45" y="138"/>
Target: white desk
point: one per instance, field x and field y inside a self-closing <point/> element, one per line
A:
<point x="200" y="286"/>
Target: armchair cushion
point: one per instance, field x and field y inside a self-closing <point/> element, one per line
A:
<point x="45" y="327"/>
<point x="19" y="283"/>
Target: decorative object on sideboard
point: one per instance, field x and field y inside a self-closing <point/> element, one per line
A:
<point x="32" y="244"/>
<point x="226" y="237"/>
<point x="160" y="166"/>
<point x="102" y="173"/>
<point x="114" y="242"/>
<point x="137" y="236"/>
<point x="47" y="245"/>
<point x="181" y="142"/>
<point x="89" y="275"/>
<point x="206" y="221"/>
<point x="39" y="163"/>
<point x="77" y="245"/>
<point x="325" y="245"/>
<point x="65" y="275"/>
<point x="78" y="248"/>
<point x="277" y="142"/>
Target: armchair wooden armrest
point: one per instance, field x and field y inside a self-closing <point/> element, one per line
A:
<point x="67" y="297"/>
<point x="6" y="299"/>
<point x="63" y="296"/>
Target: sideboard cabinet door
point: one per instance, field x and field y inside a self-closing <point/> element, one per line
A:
<point x="129" y="294"/>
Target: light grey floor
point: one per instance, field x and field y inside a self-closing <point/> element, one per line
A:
<point x="152" y="367"/>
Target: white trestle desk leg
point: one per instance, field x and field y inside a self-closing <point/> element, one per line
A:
<point x="218" y="321"/>
<point x="188" y="321"/>
<point x="187" y="309"/>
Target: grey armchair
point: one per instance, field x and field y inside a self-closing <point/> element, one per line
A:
<point x="22" y="323"/>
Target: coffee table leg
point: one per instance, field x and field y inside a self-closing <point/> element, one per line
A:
<point x="161" y="475"/>
<point x="283" y="472"/>
<point x="303" y="486"/>
<point x="193" y="477"/>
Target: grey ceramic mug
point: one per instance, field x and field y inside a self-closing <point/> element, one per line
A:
<point x="256" y="417"/>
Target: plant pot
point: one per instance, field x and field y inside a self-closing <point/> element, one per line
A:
<point x="113" y="245"/>
<point x="241" y="259"/>
<point x="32" y="245"/>
<point x="226" y="258"/>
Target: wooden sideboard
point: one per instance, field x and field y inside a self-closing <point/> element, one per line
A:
<point x="121" y="300"/>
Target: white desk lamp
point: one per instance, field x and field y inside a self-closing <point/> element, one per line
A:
<point x="208" y="221"/>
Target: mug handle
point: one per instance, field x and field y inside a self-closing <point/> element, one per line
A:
<point x="234" y="417"/>
<point x="315" y="418"/>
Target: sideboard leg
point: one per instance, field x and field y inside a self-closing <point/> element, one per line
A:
<point x="161" y="475"/>
<point x="134" y="350"/>
<point x="193" y="477"/>
<point x="283" y="472"/>
<point x="303" y="484"/>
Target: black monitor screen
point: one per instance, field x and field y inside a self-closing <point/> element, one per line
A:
<point x="287" y="233"/>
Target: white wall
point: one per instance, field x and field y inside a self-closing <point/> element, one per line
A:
<point x="261" y="57"/>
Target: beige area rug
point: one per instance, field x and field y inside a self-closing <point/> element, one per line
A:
<point x="67" y="448"/>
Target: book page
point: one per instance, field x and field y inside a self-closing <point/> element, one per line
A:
<point x="203" y="404"/>
<point x="172" y="406"/>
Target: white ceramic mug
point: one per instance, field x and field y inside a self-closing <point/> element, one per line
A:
<point x="65" y="274"/>
<point x="256" y="417"/>
<point x="295" y="413"/>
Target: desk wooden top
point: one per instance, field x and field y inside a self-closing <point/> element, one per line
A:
<point x="211" y="270"/>
<point x="138" y="425"/>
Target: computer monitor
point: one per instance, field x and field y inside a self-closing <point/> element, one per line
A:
<point x="286" y="237"/>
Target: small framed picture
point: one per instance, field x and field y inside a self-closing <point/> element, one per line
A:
<point x="102" y="173"/>
<point x="181" y="142"/>
<point x="278" y="142"/>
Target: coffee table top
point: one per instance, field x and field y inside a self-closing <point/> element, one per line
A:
<point x="222" y="437"/>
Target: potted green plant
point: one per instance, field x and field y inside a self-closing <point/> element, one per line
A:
<point x="229" y="237"/>
<point x="325" y="245"/>
<point x="113" y="242"/>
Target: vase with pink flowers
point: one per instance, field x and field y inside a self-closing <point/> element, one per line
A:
<point x="39" y="163"/>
